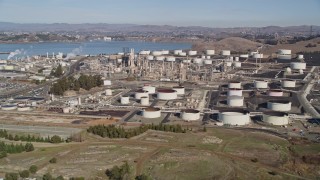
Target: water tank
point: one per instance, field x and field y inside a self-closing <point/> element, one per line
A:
<point x="144" y="101"/>
<point x="210" y="52"/>
<point x="151" y="113"/>
<point x="235" y="101"/>
<point x="124" y="100"/>
<point x="225" y="53"/>
<point x="261" y="84"/>
<point x="234" y="92"/>
<point x="190" y="115"/>
<point x="279" y="105"/>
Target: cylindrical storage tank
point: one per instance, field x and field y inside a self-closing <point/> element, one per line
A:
<point x="225" y="53"/>
<point x="300" y="57"/>
<point x="240" y="118"/>
<point x="208" y="57"/>
<point x="144" y="101"/>
<point x="119" y="60"/>
<point x="166" y="94"/>
<point x="235" y="92"/>
<point x="298" y="65"/>
<point x="140" y="93"/>
<point x="186" y="61"/>
<point x="275" y="93"/>
<point x="244" y="55"/>
<point x="203" y="57"/>
<point x="150" y="89"/>
<point x="207" y="61"/>
<point x="107" y="82"/>
<point x="279" y="105"/>
<point x="124" y="100"/>
<point x="284" y="57"/>
<point x="24" y="108"/>
<point x="284" y="51"/>
<point x="210" y="52"/>
<point x="150" y="58"/>
<point x="236" y="58"/>
<point x="197" y="61"/>
<point x="144" y="52"/>
<point x="9" y="107"/>
<point x="177" y="52"/>
<point x="234" y="84"/>
<point x="253" y="53"/>
<point x="180" y="90"/>
<point x="108" y="92"/>
<point x="160" y="58"/>
<point x="190" y="115"/>
<point x="228" y="63"/>
<point x="157" y="53"/>
<point x="66" y="110"/>
<point x="258" y="56"/>
<point x="276" y="118"/>
<point x="182" y="54"/>
<point x="237" y="64"/>
<point x="261" y="84"/>
<point x="235" y="101"/>
<point x="151" y="112"/>
<point x="288" y="83"/>
<point x="231" y="58"/>
<point x="192" y="53"/>
<point x="170" y="59"/>
<point x="165" y="52"/>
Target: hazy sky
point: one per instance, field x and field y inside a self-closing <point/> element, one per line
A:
<point x="211" y="13"/>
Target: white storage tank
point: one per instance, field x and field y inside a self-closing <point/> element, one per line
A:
<point x="177" y="52"/>
<point x="288" y="83"/>
<point x="279" y="105"/>
<point x="108" y="92"/>
<point x="151" y="113"/>
<point x="236" y="58"/>
<point x="165" y="52"/>
<point x="298" y="65"/>
<point x="235" y="101"/>
<point x="244" y="56"/>
<point x="192" y="53"/>
<point x="140" y="93"/>
<point x="210" y="52"/>
<point x="150" y="89"/>
<point x="190" y="115"/>
<point x="66" y="110"/>
<point x="183" y="54"/>
<point x="157" y="53"/>
<point x="170" y="59"/>
<point x="24" y="108"/>
<point x="167" y="94"/>
<point x="186" y="61"/>
<point x="179" y="89"/>
<point x="261" y="84"/>
<point x="234" y="92"/>
<point x="300" y="57"/>
<point x="207" y="61"/>
<point x="144" y="52"/>
<point x="234" y="84"/>
<point x="235" y="118"/>
<point x="144" y="101"/>
<point x="276" y="118"/>
<point x="197" y="61"/>
<point x="284" y="54"/>
<point x="228" y="63"/>
<point x="237" y="64"/>
<point x="275" y="93"/>
<point x="225" y="53"/>
<point x="150" y="58"/>
<point x="258" y="56"/>
<point x="8" y="107"/>
<point x="107" y="82"/>
<point x="124" y="100"/>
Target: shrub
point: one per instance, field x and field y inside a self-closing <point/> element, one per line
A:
<point x="53" y="160"/>
<point x="11" y="176"/>
<point x="33" y="169"/>
<point x="29" y="147"/>
<point x="55" y="139"/>
<point x="24" y="174"/>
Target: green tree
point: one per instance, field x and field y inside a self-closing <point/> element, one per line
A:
<point x="59" y="178"/>
<point x="143" y="177"/>
<point x="53" y="160"/>
<point x="33" y="169"/>
<point x="24" y="174"/>
<point x="47" y="176"/>
<point x="11" y="176"/>
<point x="58" y="72"/>
<point x="55" y="139"/>
<point x="29" y="147"/>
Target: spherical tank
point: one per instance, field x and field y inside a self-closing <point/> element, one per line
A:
<point x="288" y="83"/>
<point x="170" y="59"/>
<point x="177" y="52"/>
<point x="179" y="89"/>
<point x="192" y="53"/>
<point x="276" y="118"/>
<point x="144" y="101"/>
<point x="275" y="93"/>
<point x="235" y="101"/>
<point x="210" y="52"/>
<point x="108" y="92"/>
<point x="150" y="89"/>
<point x="298" y="65"/>
<point x="234" y="84"/>
<point x="190" y="115"/>
<point x="124" y="100"/>
<point x="234" y="92"/>
<point x="166" y="94"/>
<point x="261" y="84"/>
<point x="151" y="112"/>
<point x="234" y="118"/>
<point x="140" y="93"/>
<point x="225" y="53"/>
<point x="278" y="105"/>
